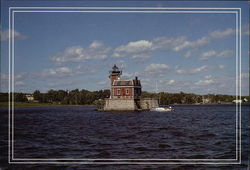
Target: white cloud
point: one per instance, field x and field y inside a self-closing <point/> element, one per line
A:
<point x="202" y="41"/>
<point x="171" y="82"/>
<point x="156" y="68"/>
<point x="199" y="69"/>
<point x="117" y="55"/>
<point x="63" y="70"/>
<point x="208" y="76"/>
<point x="5" y="35"/>
<point x="90" y="69"/>
<point x="20" y="75"/>
<point x="245" y="29"/>
<point x="141" y="49"/>
<point x="140" y="57"/>
<point x="127" y="74"/>
<point x="19" y="83"/>
<point x="145" y="81"/>
<point x="160" y="85"/>
<point x="192" y="44"/>
<point x="164" y="82"/>
<point x="96" y="50"/>
<point x="192" y="71"/>
<point x="133" y="47"/>
<point x="245" y="75"/>
<point x="180" y="71"/>
<point x="18" y="80"/>
<point x="4" y="80"/>
<point x="57" y="72"/>
<point x="225" y="53"/>
<point x="62" y="83"/>
<point x="121" y="64"/>
<point x="188" y="54"/>
<point x="104" y="84"/>
<point x="208" y="54"/>
<point x="204" y="82"/>
<point x="167" y="43"/>
<point x="101" y="83"/>
<point x="130" y="75"/>
<point x="142" y="46"/>
<point x="5" y="77"/>
<point x="218" y="34"/>
<point x="221" y="66"/>
<point x="222" y="33"/>
<point x="96" y="44"/>
<point x="182" y="43"/>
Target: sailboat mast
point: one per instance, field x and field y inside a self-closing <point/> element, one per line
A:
<point x="156" y="91"/>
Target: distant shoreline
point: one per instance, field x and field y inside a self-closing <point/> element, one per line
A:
<point x="24" y="104"/>
<point x="210" y="104"/>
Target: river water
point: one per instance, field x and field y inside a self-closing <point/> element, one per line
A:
<point x="190" y="132"/>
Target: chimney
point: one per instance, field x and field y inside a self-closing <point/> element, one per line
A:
<point x="136" y="80"/>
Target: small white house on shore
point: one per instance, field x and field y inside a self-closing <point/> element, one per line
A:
<point x="30" y="97"/>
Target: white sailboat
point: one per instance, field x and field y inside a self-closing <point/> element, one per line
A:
<point x="161" y="109"/>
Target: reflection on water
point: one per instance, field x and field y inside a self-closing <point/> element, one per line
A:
<point x="189" y="132"/>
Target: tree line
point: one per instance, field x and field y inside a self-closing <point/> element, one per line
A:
<point x="73" y="97"/>
<point x="85" y="97"/>
<point x="190" y="98"/>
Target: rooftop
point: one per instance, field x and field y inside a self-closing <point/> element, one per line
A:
<point x="134" y="82"/>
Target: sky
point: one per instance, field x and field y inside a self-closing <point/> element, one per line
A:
<point x="188" y="52"/>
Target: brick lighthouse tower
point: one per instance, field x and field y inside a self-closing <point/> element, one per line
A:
<point x="114" y="74"/>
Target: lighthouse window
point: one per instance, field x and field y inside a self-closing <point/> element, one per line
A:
<point x="127" y="92"/>
<point x="118" y="91"/>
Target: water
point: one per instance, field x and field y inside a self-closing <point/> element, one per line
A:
<point x="189" y="132"/>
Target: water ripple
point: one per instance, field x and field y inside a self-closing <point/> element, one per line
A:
<point x="191" y="132"/>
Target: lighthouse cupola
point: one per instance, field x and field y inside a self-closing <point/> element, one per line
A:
<point x="114" y="74"/>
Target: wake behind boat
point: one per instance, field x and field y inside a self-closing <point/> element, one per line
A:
<point x="162" y="109"/>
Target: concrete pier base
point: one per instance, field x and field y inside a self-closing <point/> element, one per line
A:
<point x="129" y="104"/>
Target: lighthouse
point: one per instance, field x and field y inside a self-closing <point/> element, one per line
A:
<point x="125" y="94"/>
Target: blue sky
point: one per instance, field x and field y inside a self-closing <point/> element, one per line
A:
<point x="192" y="52"/>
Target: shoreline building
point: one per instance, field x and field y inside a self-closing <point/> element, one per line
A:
<point x="125" y="94"/>
<point x="29" y="97"/>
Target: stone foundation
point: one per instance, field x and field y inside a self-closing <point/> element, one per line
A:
<point x="119" y="104"/>
<point x="129" y="104"/>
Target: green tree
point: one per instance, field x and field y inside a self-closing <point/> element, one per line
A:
<point x="4" y="97"/>
<point x="20" y="97"/>
<point x="37" y="95"/>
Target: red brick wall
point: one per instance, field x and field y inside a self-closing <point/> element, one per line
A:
<point x="115" y="91"/>
<point x="113" y="78"/>
<point x="123" y="91"/>
<point x="130" y="91"/>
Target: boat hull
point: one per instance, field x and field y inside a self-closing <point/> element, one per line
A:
<point x="161" y="109"/>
